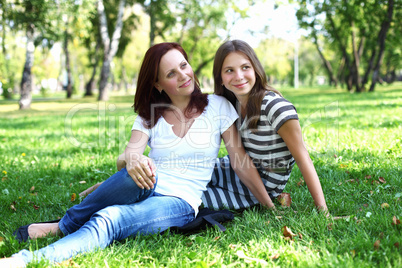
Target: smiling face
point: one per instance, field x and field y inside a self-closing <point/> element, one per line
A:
<point x="238" y="75"/>
<point x="175" y="76"/>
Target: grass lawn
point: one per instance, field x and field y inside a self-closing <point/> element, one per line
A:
<point x="59" y="148"/>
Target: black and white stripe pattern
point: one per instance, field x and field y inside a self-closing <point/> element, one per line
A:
<point x="268" y="152"/>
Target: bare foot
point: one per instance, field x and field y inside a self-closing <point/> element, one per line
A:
<point x="38" y="230"/>
<point x="12" y="262"/>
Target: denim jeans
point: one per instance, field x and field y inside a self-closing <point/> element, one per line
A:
<point x="134" y="211"/>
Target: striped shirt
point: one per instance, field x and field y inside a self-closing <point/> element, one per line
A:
<point x="268" y="152"/>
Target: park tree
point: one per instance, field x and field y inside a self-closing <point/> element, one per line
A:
<point x="111" y="36"/>
<point x="75" y="24"/>
<point x="8" y="63"/>
<point x="358" y="39"/>
<point x="201" y="26"/>
<point x="161" y="19"/>
<point x="275" y="55"/>
<point x="40" y="20"/>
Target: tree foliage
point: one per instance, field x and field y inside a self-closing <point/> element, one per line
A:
<point x="358" y="38"/>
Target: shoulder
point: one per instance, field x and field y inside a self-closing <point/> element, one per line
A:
<point x="273" y="101"/>
<point x="212" y="98"/>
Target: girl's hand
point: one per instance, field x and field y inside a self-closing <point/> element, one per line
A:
<point x="142" y="170"/>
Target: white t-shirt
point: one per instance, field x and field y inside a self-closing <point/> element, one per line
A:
<point x="185" y="165"/>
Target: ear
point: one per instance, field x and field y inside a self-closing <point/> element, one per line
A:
<point x="158" y="87"/>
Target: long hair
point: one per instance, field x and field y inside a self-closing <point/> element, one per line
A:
<point x="149" y="103"/>
<point x="260" y="88"/>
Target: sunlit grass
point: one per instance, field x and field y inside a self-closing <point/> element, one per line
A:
<point x="354" y="140"/>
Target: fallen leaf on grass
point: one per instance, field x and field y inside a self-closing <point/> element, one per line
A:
<point x="247" y="259"/>
<point x="329" y="226"/>
<point x="377" y="244"/>
<point x="73" y="197"/>
<point x="82" y="182"/>
<point x="1" y="238"/>
<point x="285" y="199"/>
<point x="32" y="189"/>
<point x="395" y="221"/>
<point x="300" y="236"/>
<point x="274" y="257"/>
<point x="301" y="182"/>
<point x="4" y="179"/>
<point x="217" y="238"/>
<point x="382" y="180"/>
<point x="396" y="244"/>
<point x="287" y="232"/>
<point x="384" y="205"/>
<point x="231" y="246"/>
<point x="13" y="207"/>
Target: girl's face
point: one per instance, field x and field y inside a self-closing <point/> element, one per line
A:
<point x="175" y="76"/>
<point x="238" y="74"/>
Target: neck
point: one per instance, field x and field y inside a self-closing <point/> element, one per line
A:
<point x="243" y="105"/>
<point x="180" y="103"/>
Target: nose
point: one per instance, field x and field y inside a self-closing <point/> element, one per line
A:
<point x="182" y="75"/>
<point x="239" y="75"/>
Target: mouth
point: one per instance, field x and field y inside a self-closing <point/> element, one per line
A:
<point x="186" y="84"/>
<point x="241" y="85"/>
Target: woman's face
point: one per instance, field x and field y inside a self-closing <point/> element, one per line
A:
<point x="238" y="74"/>
<point x="175" y="76"/>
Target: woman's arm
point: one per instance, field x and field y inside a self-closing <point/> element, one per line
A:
<point x="291" y="133"/>
<point x="244" y="166"/>
<point x="140" y="167"/>
<point x="136" y="163"/>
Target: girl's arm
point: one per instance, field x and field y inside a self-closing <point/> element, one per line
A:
<point x="291" y="133"/>
<point x="244" y="166"/>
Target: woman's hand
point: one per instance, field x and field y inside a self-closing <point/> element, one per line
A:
<point x="142" y="170"/>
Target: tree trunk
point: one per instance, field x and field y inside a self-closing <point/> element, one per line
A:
<point x="110" y="45"/>
<point x="89" y="87"/>
<point x="356" y="61"/>
<point x="69" y="86"/>
<point x="327" y="64"/>
<point x="381" y="39"/>
<point x="9" y="78"/>
<point x="343" y="49"/>
<point x="26" y="81"/>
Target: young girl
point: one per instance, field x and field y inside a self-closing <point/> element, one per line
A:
<point x="269" y="129"/>
<point x="183" y="128"/>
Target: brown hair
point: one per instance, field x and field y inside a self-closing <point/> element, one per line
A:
<point x="148" y="102"/>
<point x="260" y="88"/>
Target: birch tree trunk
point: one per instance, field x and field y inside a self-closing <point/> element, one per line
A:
<point x="69" y="86"/>
<point x="26" y="81"/>
<point x="110" y="45"/>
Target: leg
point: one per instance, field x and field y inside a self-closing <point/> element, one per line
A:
<point x="226" y="190"/>
<point x="119" y="189"/>
<point x="153" y="215"/>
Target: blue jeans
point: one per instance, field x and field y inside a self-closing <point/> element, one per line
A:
<point x="116" y="210"/>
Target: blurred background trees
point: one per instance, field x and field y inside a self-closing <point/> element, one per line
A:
<point x="88" y="47"/>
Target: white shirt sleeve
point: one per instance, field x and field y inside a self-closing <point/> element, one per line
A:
<point x="138" y="125"/>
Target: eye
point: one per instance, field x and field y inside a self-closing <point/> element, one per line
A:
<point x="170" y="75"/>
<point x="228" y="70"/>
<point x="246" y="67"/>
<point x="184" y="65"/>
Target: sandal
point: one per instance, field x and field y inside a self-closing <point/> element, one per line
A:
<point x="22" y="233"/>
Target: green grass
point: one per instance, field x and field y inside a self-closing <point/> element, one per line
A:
<point x="354" y="140"/>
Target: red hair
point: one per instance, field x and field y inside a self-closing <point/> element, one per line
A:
<point x="148" y="102"/>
